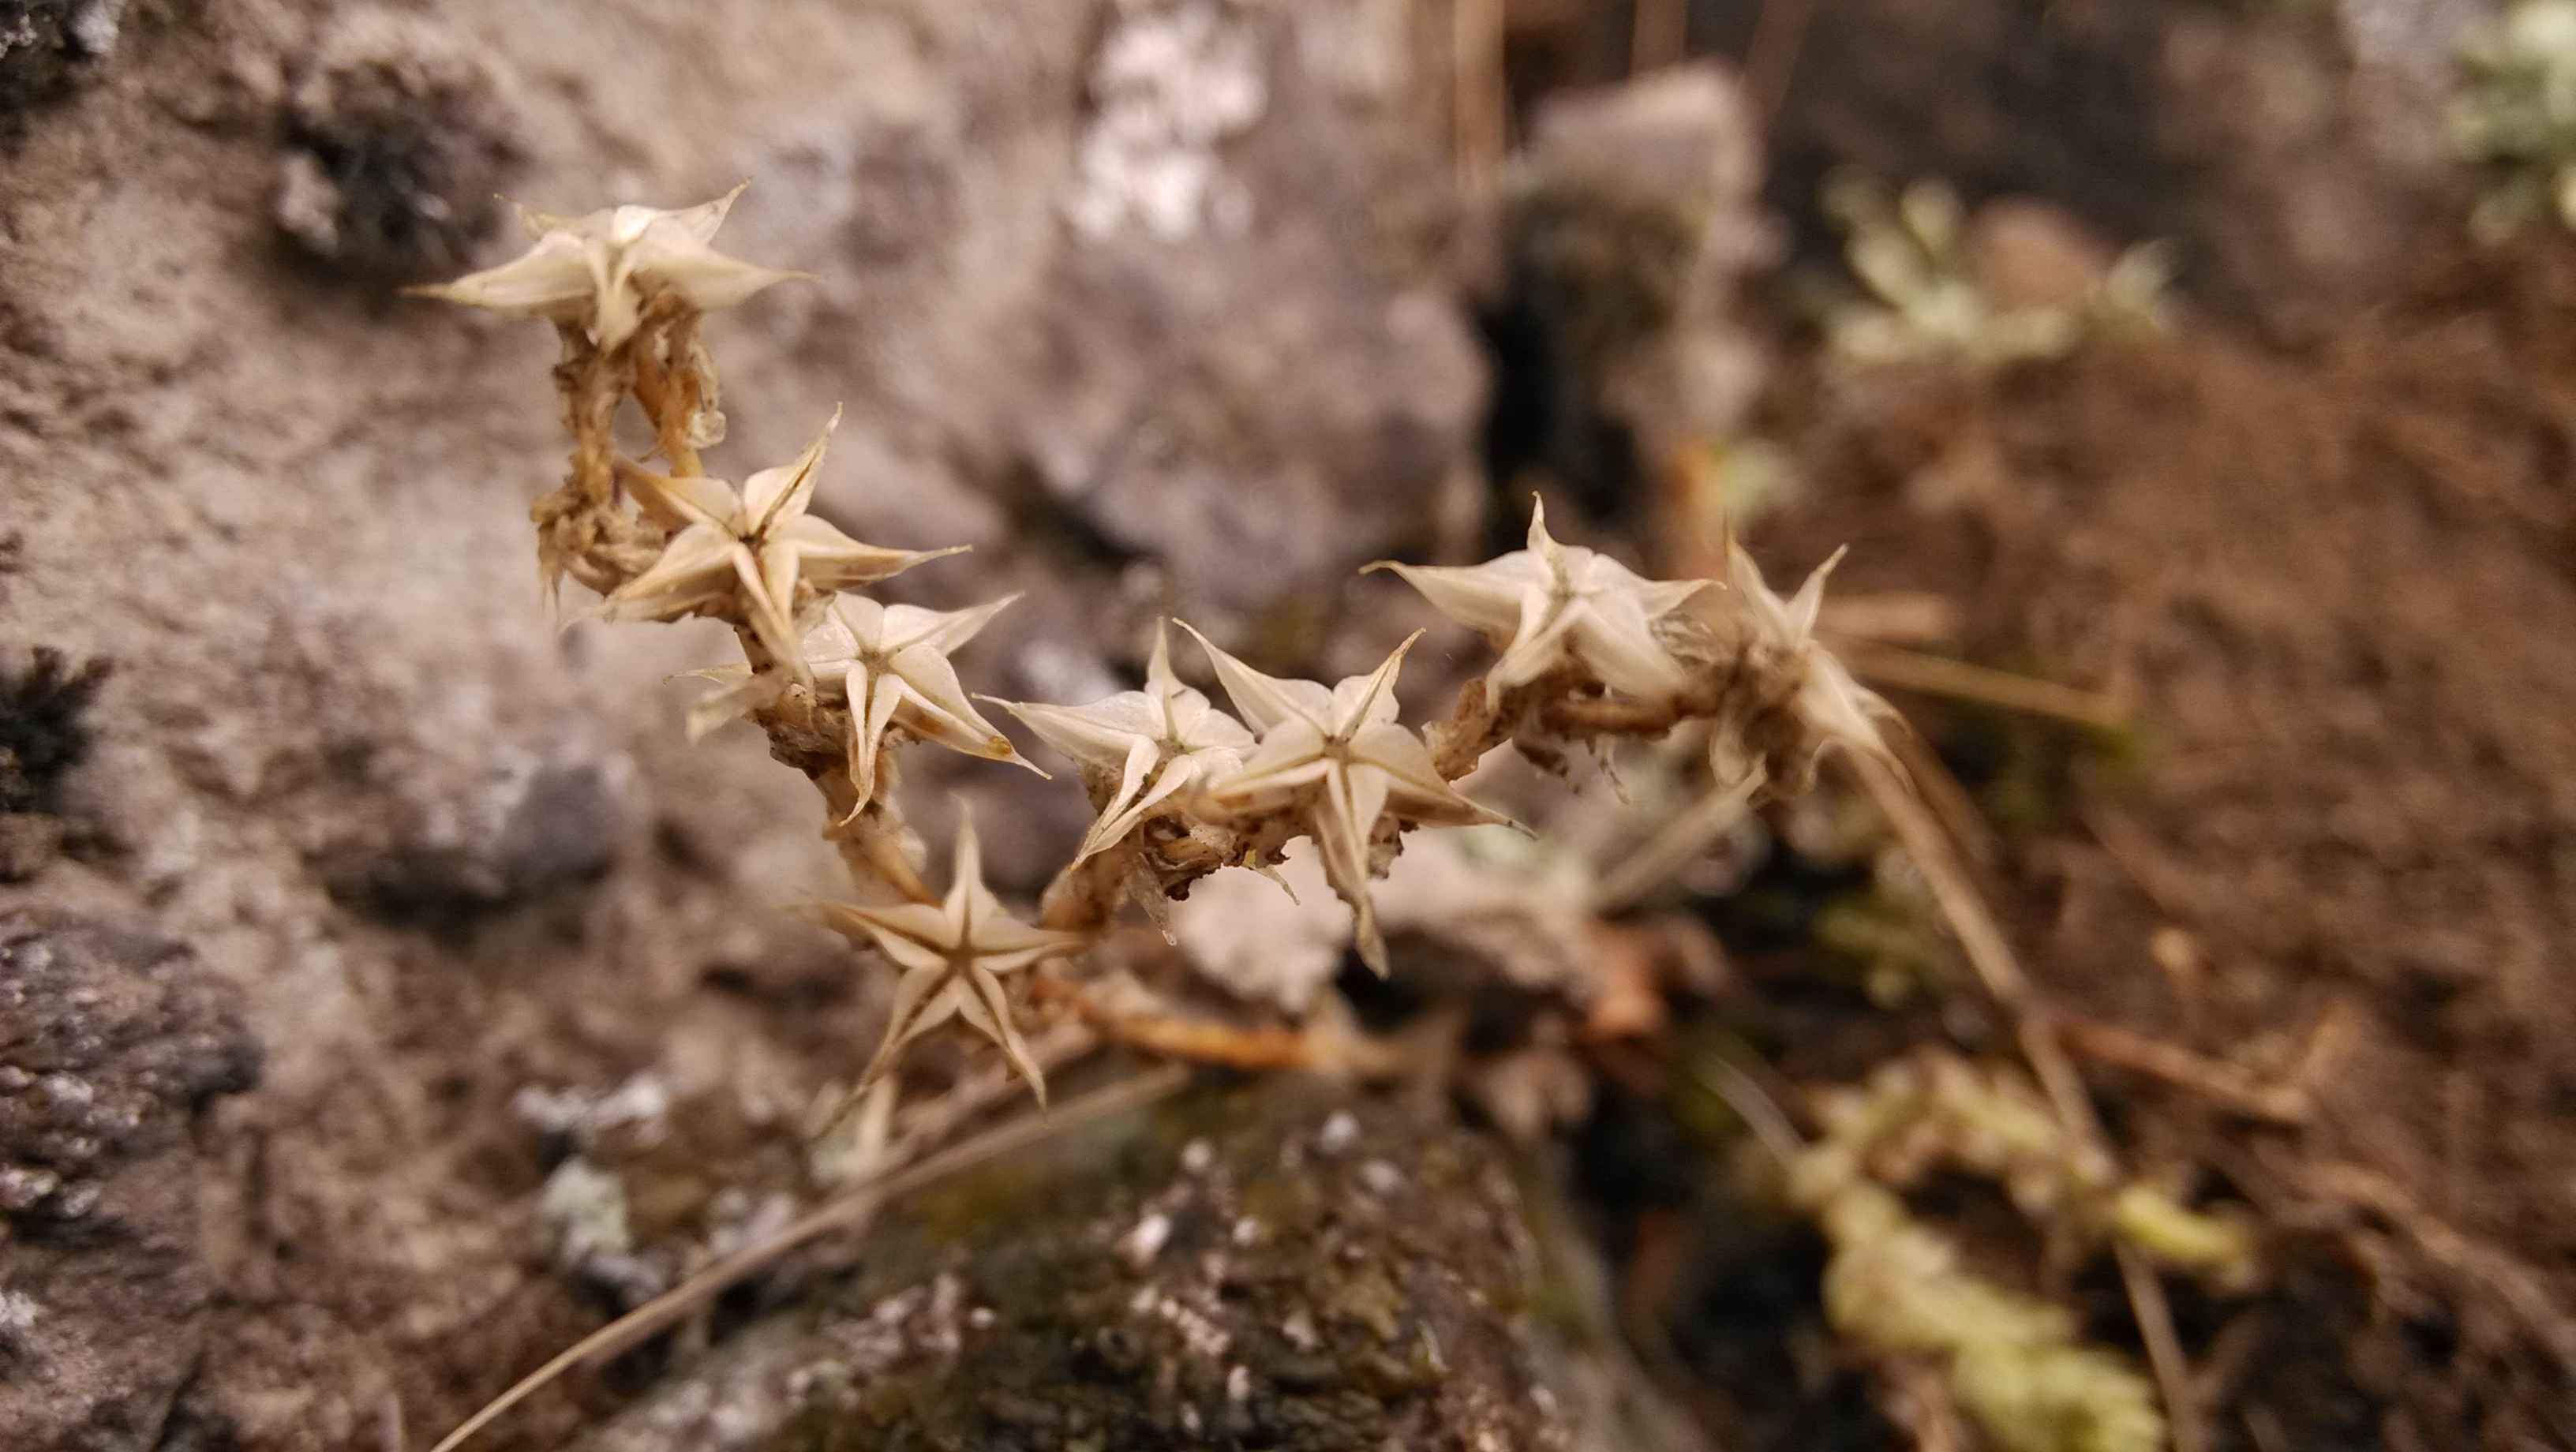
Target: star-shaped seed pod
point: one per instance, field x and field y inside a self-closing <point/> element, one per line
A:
<point x="952" y="957"/>
<point x="889" y="663"/>
<point x="743" y="556"/>
<point x="599" y="270"/>
<point x="1554" y="604"/>
<point x="1336" y="761"/>
<point x="1139" y="749"/>
<point x="1834" y="708"/>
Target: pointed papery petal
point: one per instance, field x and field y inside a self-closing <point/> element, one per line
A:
<point x="535" y="224"/>
<point x="707" y="278"/>
<point x="921" y="1004"/>
<point x="960" y="626"/>
<point x="873" y="704"/>
<point x="864" y="618"/>
<point x="680" y="503"/>
<point x="1613" y="637"/>
<point x="550" y="280"/>
<point x="786" y="491"/>
<point x="1539" y="646"/>
<point x="1098" y="736"/>
<point x="1755" y="596"/>
<point x="695" y="566"/>
<point x="1141" y="759"/>
<point x="1266" y="701"/>
<point x="1131" y="806"/>
<point x="911" y="933"/>
<point x="1161" y="682"/>
<point x="769" y="593"/>
<point x="1286" y="762"/>
<point x="1663" y="597"/>
<point x="1541" y="543"/>
<point x="613" y="301"/>
<point x="985" y="1006"/>
<point x="1345" y="819"/>
<point x="941" y="711"/>
<point x="1482" y="597"/>
<point x="1209" y="729"/>
<point x="966" y="891"/>
<point x="699" y="223"/>
<point x="1810" y="599"/>
<point x="1365" y="700"/>
<point x="1416" y="789"/>
<point x="834" y="561"/>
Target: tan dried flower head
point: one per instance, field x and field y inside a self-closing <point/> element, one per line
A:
<point x="952" y="956"/>
<point x="1335" y="762"/>
<point x="744" y="556"/>
<point x="1553" y="605"/>
<point x="599" y="270"/>
<point x="1138" y="750"/>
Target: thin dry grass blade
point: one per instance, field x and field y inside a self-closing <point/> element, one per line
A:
<point x="1889" y="665"/>
<point x="852" y="1205"/>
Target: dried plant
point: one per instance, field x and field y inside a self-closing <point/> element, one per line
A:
<point x="1588" y="653"/>
<point x="841" y="683"/>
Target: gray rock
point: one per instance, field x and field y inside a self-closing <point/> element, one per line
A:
<point x="110" y="1043"/>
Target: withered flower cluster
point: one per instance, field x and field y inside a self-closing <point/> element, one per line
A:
<point x="1589" y="652"/>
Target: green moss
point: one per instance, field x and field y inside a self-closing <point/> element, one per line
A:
<point x="1307" y="1287"/>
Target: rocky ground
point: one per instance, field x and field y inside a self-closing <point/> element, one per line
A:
<point x="353" y="909"/>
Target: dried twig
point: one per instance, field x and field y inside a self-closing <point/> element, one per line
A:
<point x="2223" y="1083"/>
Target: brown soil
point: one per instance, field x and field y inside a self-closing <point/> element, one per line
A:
<point x="2337" y="586"/>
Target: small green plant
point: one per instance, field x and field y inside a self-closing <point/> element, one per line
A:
<point x="2515" y="118"/>
<point x="1910" y="250"/>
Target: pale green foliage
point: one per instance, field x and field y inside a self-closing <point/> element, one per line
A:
<point x="2010" y="1362"/>
<point x="1910" y="251"/>
<point x="1936" y="1109"/>
<point x="2516" y="117"/>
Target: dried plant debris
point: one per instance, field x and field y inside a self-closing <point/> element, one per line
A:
<point x="2515" y="118"/>
<point x="398" y="135"/>
<point x="41" y="739"/>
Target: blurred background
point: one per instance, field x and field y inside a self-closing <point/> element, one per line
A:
<point x="389" y="994"/>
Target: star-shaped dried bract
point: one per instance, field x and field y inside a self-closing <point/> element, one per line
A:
<point x="1833" y="708"/>
<point x="1336" y="761"/>
<point x="952" y="957"/>
<point x="743" y="556"/>
<point x="889" y="663"/>
<point x="1139" y="749"/>
<point x="1552" y="605"/>
<point x="599" y="270"/>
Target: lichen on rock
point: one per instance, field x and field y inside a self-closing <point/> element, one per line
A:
<point x="1281" y="1264"/>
